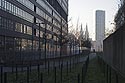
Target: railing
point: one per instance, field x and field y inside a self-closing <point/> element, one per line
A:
<point x="71" y="69"/>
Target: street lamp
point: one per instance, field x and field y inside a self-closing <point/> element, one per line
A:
<point x="61" y="43"/>
<point x="44" y="38"/>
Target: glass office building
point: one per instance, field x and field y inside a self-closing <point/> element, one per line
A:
<point x="32" y="29"/>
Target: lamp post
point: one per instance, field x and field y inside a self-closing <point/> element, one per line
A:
<point x="44" y="38"/>
<point x="61" y="36"/>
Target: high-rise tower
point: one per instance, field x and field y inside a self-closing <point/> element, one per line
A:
<point x="100" y="29"/>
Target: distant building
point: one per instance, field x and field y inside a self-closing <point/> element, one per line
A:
<point x="100" y="29"/>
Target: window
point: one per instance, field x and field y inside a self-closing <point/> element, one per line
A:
<point x="37" y="32"/>
<point x="9" y="44"/>
<point x="17" y="44"/>
<point x="11" y="24"/>
<point x="9" y="7"/>
<point x="27" y="3"/>
<point x="7" y="24"/>
<point x="3" y="23"/>
<point x="18" y="27"/>
<point x="35" y="45"/>
<point x="0" y="22"/>
<point x="29" y="30"/>
<point x="2" y="43"/>
<point x="41" y="34"/>
<point x="0" y="3"/>
<point x="3" y="4"/>
<point x="24" y="44"/>
<point x="25" y="29"/>
<point x="29" y="45"/>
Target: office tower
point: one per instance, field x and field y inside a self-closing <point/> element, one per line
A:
<point x="32" y="29"/>
<point x="100" y="29"/>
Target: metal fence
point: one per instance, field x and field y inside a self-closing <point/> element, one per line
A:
<point x="70" y="70"/>
<point x="114" y="51"/>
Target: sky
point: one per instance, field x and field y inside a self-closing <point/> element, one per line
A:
<point x="84" y="10"/>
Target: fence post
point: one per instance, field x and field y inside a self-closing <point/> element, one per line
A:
<point x="70" y="64"/>
<point x="104" y="68"/>
<point x="12" y="67"/>
<point x="48" y="67"/>
<point x="78" y="78"/>
<point x="41" y="81"/>
<point x="16" y="73"/>
<point x="1" y="74"/>
<point x="27" y="74"/>
<point x="5" y="77"/>
<point x="55" y="74"/>
<point x="82" y="74"/>
<point x="61" y="72"/>
<point x="117" y="81"/>
<point x="67" y="67"/>
<point x="107" y="74"/>
<point x="38" y="71"/>
<point x="110" y="75"/>
<point x="30" y="67"/>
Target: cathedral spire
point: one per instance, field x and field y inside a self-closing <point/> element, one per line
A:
<point x="86" y="33"/>
<point x="81" y="31"/>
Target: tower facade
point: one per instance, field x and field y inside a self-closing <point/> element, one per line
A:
<point x="100" y="29"/>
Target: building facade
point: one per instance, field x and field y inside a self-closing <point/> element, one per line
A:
<point x="32" y="29"/>
<point x="100" y="29"/>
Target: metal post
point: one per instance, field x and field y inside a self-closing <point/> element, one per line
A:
<point x="45" y="43"/>
<point x="117" y="81"/>
<point x="16" y="73"/>
<point x="107" y="74"/>
<point x="1" y="74"/>
<point x="48" y="67"/>
<point x="5" y="77"/>
<point x="60" y="46"/>
<point x="38" y="71"/>
<point x="55" y="74"/>
<point x="27" y="74"/>
<point x="78" y="78"/>
<point x="61" y="72"/>
<point x="79" y="49"/>
<point x="110" y="75"/>
<point x="82" y="73"/>
<point x="67" y="67"/>
<point x="30" y="67"/>
<point x="70" y="64"/>
<point x="70" y="56"/>
<point x="41" y="81"/>
<point x="39" y="44"/>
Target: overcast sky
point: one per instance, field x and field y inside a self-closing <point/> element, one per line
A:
<point x="85" y="11"/>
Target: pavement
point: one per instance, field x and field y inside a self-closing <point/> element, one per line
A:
<point x="92" y="56"/>
<point x="94" y="72"/>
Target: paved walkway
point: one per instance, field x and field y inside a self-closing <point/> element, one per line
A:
<point x="94" y="73"/>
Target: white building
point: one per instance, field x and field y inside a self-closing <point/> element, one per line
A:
<point x="100" y="29"/>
